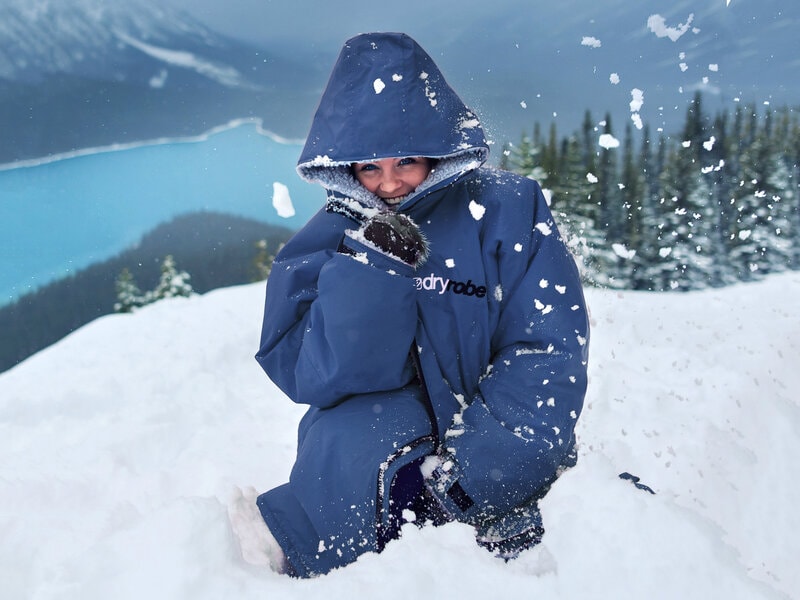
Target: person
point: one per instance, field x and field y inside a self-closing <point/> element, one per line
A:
<point x="430" y="315"/>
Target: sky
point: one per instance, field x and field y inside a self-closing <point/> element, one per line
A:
<point x="124" y="443"/>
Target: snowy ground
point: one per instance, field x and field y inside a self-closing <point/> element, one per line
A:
<point x="120" y="447"/>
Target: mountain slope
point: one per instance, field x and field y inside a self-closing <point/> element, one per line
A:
<point x="84" y="73"/>
<point x="217" y="250"/>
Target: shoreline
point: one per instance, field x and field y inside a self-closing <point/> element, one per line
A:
<point x="257" y="122"/>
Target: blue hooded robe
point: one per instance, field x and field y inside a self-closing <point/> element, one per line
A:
<point x="480" y="354"/>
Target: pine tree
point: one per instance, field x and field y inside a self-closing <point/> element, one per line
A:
<point x="611" y="213"/>
<point x="793" y="199"/>
<point x="549" y="160"/>
<point x="588" y="144"/>
<point x="525" y="158"/>
<point x="172" y="283"/>
<point x="720" y="170"/>
<point x="781" y="184"/>
<point x="576" y="214"/>
<point x="686" y="194"/>
<point x="764" y="202"/>
<point x="262" y="261"/>
<point x="129" y="296"/>
<point x="631" y="195"/>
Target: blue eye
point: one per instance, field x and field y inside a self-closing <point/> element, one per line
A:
<point x="367" y="167"/>
<point x="407" y="161"/>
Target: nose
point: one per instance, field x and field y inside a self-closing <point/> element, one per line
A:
<point x="390" y="183"/>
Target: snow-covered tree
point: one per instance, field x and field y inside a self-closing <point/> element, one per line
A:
<point x="686" y="243"/>
<point x="611" y="215"/>
<point x="172" y="283"/>
<point x="764" y="200"/>
<point x="129" y="296"/>
<point x="718" y="205"/>
<point x="262" y="261"/>
<point x="576" y="212"/>
<point x="525" y="157"/>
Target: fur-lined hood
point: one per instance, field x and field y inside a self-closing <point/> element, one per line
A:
<point x="387" y="98"/>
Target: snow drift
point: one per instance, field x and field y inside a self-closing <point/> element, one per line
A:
<point x="121" y="446"/>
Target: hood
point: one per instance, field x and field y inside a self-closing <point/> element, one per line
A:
<point x="387" y="98"/>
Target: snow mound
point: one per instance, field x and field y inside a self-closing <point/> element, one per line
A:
<point x="123" y="443"/>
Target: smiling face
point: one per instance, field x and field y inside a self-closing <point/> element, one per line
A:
<point x="392" y="179"/>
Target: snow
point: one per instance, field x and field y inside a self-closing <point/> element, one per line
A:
<point x="658" y="25"/>
<point x="476" y="210"/>
<point x="622" y="251"/>
<point x="123" y="443"/>
<point x="608" y="141"/>
<point x="590" y="41"/>
<point x="281" y="200"/>
<point x="637" y="100"/>
<point x="223" y="74"/>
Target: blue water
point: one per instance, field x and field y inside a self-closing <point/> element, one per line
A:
<point x="61" y="216"/>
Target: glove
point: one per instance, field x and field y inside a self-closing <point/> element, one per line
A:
<point x="509" y="534"/>
<point x="440" y="474"/>
<point x="504" y="535"/>
<point x="397" y="236"/>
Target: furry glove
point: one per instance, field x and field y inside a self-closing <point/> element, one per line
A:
<point x="398" y="236"/>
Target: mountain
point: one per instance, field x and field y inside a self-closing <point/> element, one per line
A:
<point x="518" y="62"/>
<point x="217" y="250"/>
<point x="85" y="73"/>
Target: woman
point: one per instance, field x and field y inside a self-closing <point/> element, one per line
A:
<point x="430" y="315"/>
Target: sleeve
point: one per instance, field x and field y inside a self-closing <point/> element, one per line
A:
<point x="325" y="334"/>
<point x="510" y="440"/>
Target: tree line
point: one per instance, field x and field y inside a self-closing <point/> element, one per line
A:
<point x="217" y="249"/>
<point x="717" y="204"/>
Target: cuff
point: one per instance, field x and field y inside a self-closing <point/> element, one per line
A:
<point x="363" y="251"/>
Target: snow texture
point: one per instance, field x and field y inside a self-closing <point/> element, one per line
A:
<point x="124" y="443"/>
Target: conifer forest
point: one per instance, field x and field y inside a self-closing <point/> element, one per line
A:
<point x="716" y="204"/>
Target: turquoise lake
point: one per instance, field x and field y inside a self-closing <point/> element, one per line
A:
<point x="60" y="216"/>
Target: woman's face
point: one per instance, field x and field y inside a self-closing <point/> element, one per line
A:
<point x="392" y="179"/>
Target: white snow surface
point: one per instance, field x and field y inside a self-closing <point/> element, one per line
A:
<point x="223" y="74"/>
<point x="122" y="444"/>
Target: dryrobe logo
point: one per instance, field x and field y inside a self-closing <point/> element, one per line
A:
<point x="434" y="283"/>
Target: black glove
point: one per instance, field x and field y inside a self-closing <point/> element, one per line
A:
<point x="398" y="236"/>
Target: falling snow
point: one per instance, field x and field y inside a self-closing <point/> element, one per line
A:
<point x="281" y="200"/>
<point x="477" y="210"/>
<point x="608" y="141"/>
<point x="658" y="25"/>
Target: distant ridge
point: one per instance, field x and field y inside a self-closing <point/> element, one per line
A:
<point x="89" y="73"/>
<point x="217" y="250"/>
